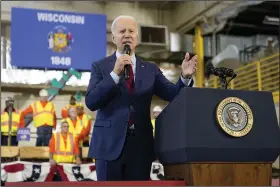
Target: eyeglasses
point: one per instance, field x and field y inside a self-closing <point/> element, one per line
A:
<point x="65" y="126"/>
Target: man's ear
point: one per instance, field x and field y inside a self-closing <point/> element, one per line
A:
<point x="137" y="40"/>
<point x="113" y="39"/>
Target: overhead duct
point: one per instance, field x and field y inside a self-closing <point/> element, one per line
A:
<point x="213" y="28"/>
<point x="152" y="39"/>
<point x="184" y="43"/>
<point x="271" y="20"/>
<point x="231" y="11"/>
<point x="214" y="21"/>
<point x="228" y="58"/>
<point x="175" y="42"/>
<point x="181" y="43"/>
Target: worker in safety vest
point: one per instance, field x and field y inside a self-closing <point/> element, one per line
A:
<point x="76" y="127"/>
<point x="44" y="118"/>
<point x="84" y="119"/>
<point x="72" y="103"/>
<point x="63" y="147"/>
<point x="15" y="119"/>
<point x="156" y="111"/>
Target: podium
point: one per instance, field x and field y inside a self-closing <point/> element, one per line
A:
<point x="218" y="137"/>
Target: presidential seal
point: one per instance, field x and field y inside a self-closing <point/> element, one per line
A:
<point x="234" y="117"/>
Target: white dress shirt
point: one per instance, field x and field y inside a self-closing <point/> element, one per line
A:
<point x="116" y="78"/>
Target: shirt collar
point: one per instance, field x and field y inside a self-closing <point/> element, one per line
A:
<point x="133" y="58"/>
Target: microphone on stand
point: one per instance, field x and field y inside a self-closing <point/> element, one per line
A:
<point x="222" y="73"/>
<point x="127" y="51"/>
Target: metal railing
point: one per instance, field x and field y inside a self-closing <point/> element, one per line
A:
<point x="261" y="75"/>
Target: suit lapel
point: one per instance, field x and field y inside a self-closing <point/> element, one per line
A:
<point x="140" y="71"/>
<point x="111" y="63"/>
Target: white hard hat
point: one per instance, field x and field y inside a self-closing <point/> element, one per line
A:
<point x="269" y="39"/>
<point x="157" y="109"/>
<point x="43" y="93"/>
<point x="9" y="99"/>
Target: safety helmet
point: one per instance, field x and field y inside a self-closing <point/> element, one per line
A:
<point x="43" y="93"/>
<point x="9" y="99"/>
<point x="80" y="105"/>
<point x="157" y="109"/>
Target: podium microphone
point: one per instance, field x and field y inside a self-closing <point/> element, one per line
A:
<point x="220" y="72"/>
<point x="127" y="51"/>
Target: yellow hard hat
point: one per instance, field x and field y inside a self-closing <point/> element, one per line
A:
<point x="80" y="105"/>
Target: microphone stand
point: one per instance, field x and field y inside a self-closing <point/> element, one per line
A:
<point x="231" y="78"/>
<point x="222" y="73"/>
<point x="223" y="80"/>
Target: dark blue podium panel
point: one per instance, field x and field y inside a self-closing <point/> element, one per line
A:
<point x="187" y="130"/>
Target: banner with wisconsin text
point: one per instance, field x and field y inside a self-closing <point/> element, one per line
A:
<point x="56" y="40"/>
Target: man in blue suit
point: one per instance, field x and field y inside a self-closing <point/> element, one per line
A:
<point x="122" y="140"/>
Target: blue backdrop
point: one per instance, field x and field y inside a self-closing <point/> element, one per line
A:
<point x="56" y="40"/>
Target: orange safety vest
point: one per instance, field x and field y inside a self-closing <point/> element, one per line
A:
<point x="66" y="109"/>
<point x="5" y="123"/>
<point x="85" y="119"/>
<point x="76" y="131"/>
<point x="64" y="153"/>
<point x="43" y="115"/>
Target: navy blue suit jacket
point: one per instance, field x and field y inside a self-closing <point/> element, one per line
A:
<point x="114" y="103"/>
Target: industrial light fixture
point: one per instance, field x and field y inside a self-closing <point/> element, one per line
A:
<point x="271" y="20"/>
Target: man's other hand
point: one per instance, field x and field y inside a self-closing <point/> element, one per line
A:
<point x="188" y="66"/>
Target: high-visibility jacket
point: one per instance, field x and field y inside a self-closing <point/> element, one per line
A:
<point x="85" y="120"/>
<point x="5" y="123"/>
<point x="64" y="153"/>
<point x="64" y="111"/>
<point x="76" y="131"/>
<point x="43" y="115"/>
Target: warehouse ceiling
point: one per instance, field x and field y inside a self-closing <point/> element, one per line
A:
<point x="253" y="20"/>
<point x="258" y="19"/>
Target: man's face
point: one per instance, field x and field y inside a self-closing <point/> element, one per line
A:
<point x="80" y="110"/>
<point x="234" y="115"/>
<point x="125" y="32"/>
<point x="44" y="98"/>
<point x="64" y="127"/>
<point x="156" y="114"/>
<point x="10" y="103"/>
<point x="72" y="101"/>
<point x="72" y="112"/>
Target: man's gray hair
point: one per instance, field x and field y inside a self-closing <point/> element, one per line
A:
<point x="117" y="18"/>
